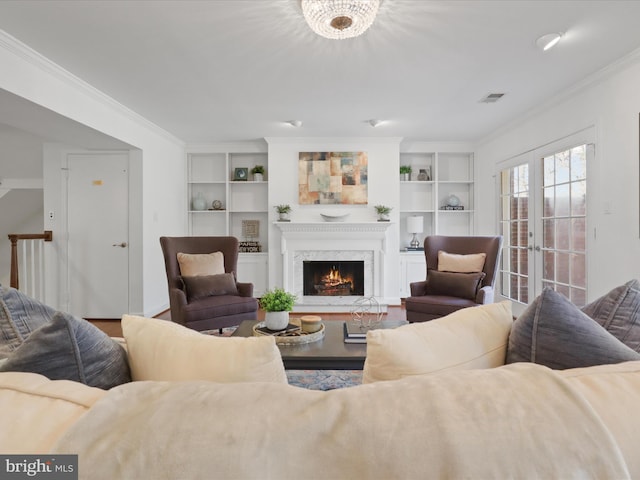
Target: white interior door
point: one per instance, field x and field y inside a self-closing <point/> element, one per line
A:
<point x="97" y="225"/>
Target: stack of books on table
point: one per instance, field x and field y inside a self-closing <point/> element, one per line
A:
<point x="354" y="332"/>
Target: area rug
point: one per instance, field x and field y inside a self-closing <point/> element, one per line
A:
<point x="324" y="379"/>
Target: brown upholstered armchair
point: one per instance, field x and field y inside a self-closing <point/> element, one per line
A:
<point x="432" y="301"/>
<point x="207" y="312"/>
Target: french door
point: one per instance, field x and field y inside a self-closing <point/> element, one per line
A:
<point x="543" y="219"/>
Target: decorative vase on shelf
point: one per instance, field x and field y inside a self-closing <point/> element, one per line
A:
<point x="424" y="176"/>
<point x="257" y="177"/>
<point x="198" y="202"/>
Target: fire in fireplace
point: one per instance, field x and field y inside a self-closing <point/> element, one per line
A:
<point x="328" y="278"/>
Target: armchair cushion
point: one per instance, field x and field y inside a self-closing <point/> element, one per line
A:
<point x="162" y="350"/>
<point x="553" y="332"/>
<point x="452" y="262"/>
<point x="69" y="348"/>
<point x="619" y="313"/>
<point x="202" y="286"/>
<point x="192" y="264"/>
<point x="470" y="338"/>
<point x="461" y="285"/>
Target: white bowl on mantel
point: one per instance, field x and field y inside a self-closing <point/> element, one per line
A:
<point x="333" y="217"/>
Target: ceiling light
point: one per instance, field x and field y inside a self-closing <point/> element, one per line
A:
<point x="374" y="123"/>
<point x="294" y="123"/>
<point x="548" y="41"/>
<point x="340" y="19"/>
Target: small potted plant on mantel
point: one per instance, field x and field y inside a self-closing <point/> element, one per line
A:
<point x="258" y="173"/>
<point x="277" y="304"/>
<point x="383" y="212"/>
<point x="405" y="172"/>
<point x="283" y="212"/>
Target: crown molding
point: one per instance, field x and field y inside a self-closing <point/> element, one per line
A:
<point x="28" y="54"/>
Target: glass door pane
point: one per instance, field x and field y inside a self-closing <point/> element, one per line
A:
<point x="514" y="222"/>
<point x="564" y="194"/>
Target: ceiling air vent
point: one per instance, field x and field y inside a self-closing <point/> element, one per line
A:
<point x="492" y="98"/>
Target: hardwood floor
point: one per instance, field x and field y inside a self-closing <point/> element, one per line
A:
<point x="114" y="329"/>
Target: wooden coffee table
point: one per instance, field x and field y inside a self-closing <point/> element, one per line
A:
<point x="329" y="353"/>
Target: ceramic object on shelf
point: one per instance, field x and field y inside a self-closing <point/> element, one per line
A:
<point x="453" y="201"/>
<point x="198" y="202"/>
<point x="332" y="217"/>
<point x="257" y="177"/>
<point x="217" y="205"/>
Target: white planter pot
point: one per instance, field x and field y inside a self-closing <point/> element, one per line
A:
<point x="257" y="177"/>
<point x="276" y="320"/>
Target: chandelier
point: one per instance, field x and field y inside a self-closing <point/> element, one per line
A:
<point x="340" y="19"/>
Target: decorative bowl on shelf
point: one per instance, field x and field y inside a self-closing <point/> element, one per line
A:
<point x="333" y="217"/>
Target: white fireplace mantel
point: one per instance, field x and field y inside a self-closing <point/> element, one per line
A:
<point x="357" y="240"/>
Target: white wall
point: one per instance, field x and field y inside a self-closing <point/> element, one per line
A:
<point x="160" y="202"/>
<point x="383" y="188"/>
<point x="609" y="102"/>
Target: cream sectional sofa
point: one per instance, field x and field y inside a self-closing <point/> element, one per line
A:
<point x="456" y="413"/>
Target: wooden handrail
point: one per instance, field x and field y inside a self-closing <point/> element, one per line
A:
<point x="47" y="236"/>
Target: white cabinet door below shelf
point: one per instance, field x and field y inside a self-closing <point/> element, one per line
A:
<point x="413" y="268"/>
<point x="254" y="268"/>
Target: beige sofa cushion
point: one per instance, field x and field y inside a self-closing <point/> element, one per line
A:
<point x="35" y="411"/>
<point x="162" y="350"/>
<point x="515" y="422"/>
<point x="474" y="337"/>
<point x="614" y="393"/>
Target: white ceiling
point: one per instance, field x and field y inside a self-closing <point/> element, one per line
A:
<point x="228" y="70"/>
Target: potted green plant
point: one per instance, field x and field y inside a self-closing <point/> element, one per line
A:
<point x="283" y="212"/>
<point x="277" y="304"/>
<point x="258" y="173"/>
<point x="405" y="172"/>
<point x="383" y="212"/>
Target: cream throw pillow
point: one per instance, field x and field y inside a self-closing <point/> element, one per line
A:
<point x="452" y="262"/>
<point x="474" y="337"/>
<point x="36" y="411"/>
<point x="163" y="350"/>
<point x="193" y="264"/>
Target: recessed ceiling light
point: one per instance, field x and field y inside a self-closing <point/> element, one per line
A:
<point x="374" y="122"/>
<point x="548" y="41"/>
<point x="294" y="123"/>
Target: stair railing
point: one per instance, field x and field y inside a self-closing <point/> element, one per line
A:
<point x="28" y="262"/>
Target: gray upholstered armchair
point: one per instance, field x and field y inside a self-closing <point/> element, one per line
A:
<point x="444" y="292"/>
<point x="204" y="302"/>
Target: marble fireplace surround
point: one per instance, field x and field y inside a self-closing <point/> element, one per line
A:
<point x="364" y="241"/>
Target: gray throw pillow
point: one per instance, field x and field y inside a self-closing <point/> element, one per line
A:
<point x="619" y="313"/>
<point x="553" y="332"/>
<point x="210" y="285"/>
<point x="68" y="348"/>
<point x="461" y="285"/>
<point x="19" y="316"/>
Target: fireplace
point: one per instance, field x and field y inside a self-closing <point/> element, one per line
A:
<point x="345" y="246"/>
<point x="333" y="278"/>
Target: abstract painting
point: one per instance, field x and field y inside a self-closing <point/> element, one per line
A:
<point x="333" y="178"/>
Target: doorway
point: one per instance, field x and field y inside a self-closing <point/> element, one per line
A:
<point x="543" y="219"/>
<point x="97" y="186"/>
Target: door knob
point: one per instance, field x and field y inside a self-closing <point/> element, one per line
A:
<point x="121" y="245"/>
